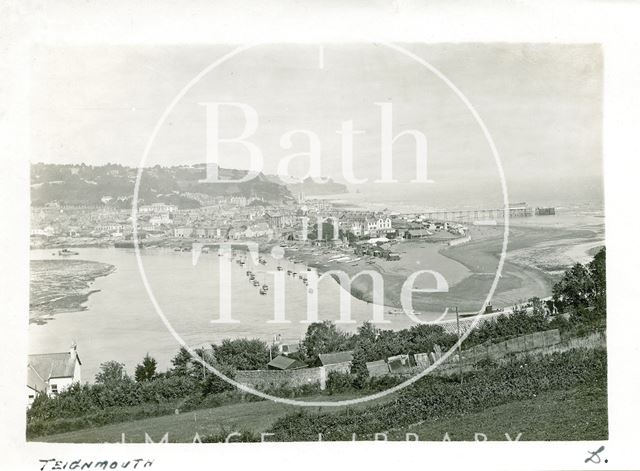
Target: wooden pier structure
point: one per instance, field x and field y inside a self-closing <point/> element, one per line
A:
<point x="516" y="210"/>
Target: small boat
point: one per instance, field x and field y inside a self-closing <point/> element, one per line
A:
<point x="249" y="272"/>
<point x="66" y="252"/>
<point x="294" y="273"/>
<point x="279" y="268"/>
<point x="186" y="249"/>
<point x="262" y="261"/>
<point x="288" y="272"/>
<point x="177" y="249"/>
<point x="262" y="291"/>
<point x="265" y="287"/>
<point x="256" y="283"/>
<point x="252" y="277"/>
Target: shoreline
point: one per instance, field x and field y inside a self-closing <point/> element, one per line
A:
<point x="62" y="286"/>
<point x="519" y="282"/>
<point x="469" y="268"/>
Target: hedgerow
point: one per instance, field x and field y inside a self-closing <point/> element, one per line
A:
<point x="435" y="397"/>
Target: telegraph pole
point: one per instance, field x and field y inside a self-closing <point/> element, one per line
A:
<point x="459" y="345"/>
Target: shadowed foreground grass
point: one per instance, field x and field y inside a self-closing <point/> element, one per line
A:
<point x="182" y="428"/>
<point x="575" y="414"/>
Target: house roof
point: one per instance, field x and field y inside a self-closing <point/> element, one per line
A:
<point x="377" y="365"/>
<point x="282" y="362"/>
<point x="53" y="365"/>
<point x="336" y="357"/>
<point x="34" y="381"/>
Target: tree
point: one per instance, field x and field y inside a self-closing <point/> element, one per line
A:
<point x="242" y="354"/>
<point x="367" y="332"/>
<point x="537" y="306"/>
<point x="575" y="289"/>
<point x="359" y="367"/>
<point x="598" y="271"/>
<point x="364" y="346"/>
<point x="112" y="373"/>
<point x="213" y="384"/>
<point x="181" y="363"/>
<point x="582" y="291"/>
<point x="146" y="371"/>
<point x="324" y="337"/>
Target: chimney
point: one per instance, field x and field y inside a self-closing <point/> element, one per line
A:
<point x="73" y="351"/>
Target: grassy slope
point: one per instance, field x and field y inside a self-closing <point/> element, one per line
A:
<point x="576" y="414"/>
<point x="254" y="416"/>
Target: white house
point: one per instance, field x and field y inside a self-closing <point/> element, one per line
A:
<point x="52" y="373"/>
<point x="160" y="219"/>
<point x="183" y="232"/>
<point x="158" y="208"/>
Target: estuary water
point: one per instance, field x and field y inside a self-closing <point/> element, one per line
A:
<point x="121" y="323"/>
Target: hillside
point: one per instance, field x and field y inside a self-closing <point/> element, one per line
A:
<point x="88" y="185"/>
<point x="311" y="188"/>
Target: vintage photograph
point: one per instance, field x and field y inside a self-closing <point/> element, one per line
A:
<point x="358" y="241"/>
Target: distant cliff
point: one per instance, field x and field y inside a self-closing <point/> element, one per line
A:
<point x="311" y="188"/>
<point x="91" y="185"/>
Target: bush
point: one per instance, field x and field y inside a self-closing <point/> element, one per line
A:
<point x="84" y="399"/>
<point x="339" y="382"/>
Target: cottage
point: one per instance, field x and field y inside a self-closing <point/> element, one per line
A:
<point x="417" y="234"/>
<point x="282" y="362"/>
<point x="52" y="373"/>
<point x="335" y="358"/>
<point x="377" y="368"/>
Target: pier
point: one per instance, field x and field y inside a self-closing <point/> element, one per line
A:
<point x="516" y="210"/>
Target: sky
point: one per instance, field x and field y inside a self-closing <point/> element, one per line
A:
<point x="541" y="103"/>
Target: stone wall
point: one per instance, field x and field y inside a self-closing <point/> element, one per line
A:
<point x="276" y="379"/>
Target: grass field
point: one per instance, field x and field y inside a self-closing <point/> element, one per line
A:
<point x="576" y="414"/>
<point x="246" y="416"/>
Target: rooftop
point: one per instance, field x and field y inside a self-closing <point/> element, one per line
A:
<point x="336" y="357"/>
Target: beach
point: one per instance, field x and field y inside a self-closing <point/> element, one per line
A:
<point x="469" y="268"/>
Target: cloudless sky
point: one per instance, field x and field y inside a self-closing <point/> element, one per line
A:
<point x="541" y="103"/>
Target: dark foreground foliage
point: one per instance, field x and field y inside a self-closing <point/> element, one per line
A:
<point x="434" y="398"/>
